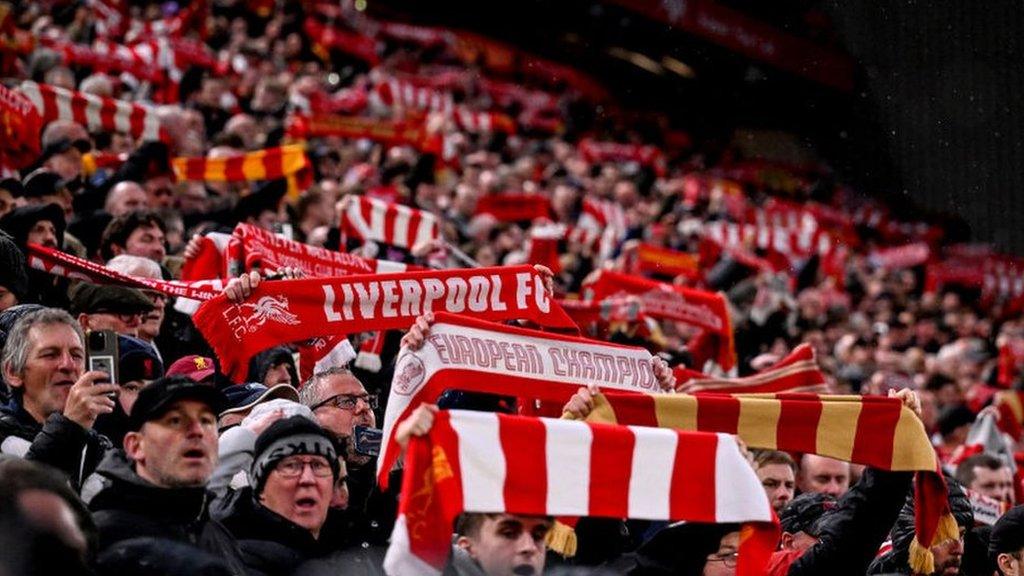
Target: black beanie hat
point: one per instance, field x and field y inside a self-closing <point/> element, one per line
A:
<point x="12" y="262"/>
<point x="288" y="437"/>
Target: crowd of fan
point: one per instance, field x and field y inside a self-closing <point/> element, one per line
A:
<point x="174" y="469"/>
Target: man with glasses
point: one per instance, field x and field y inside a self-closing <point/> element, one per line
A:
<point x="108" y="307"/>
<point x="278" y="524"/>
<point x="340" y="403"/>
<point x="149" y="329"/>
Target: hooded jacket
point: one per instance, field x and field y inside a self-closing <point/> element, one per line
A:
<point x="125" y="506"/>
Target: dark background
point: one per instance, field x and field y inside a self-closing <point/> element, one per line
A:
<point x="932" y="120"/>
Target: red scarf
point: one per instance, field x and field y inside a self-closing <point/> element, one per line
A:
<point x="798" y="372"/>
<point x="660" y="261"/>
<point x="295" y="310"/>
<point x="705" y="310"/>
<point x="514" y="207"/>
<point x="485" y="462"/>
<point x="268" y="251"/>
<point x="387" y="223"/>
<point x="469" y="354"/>
<point x="96" y="113"/>
<point x="60" y="264"/>
<point x="20" y="124"/>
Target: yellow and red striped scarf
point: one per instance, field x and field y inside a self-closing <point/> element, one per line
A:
<point x="875" y="431"/>
<point x="289" y="161"/>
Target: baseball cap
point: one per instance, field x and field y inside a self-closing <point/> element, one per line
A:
<point x="244" y="396"/>
<point x="42" y="183"/>
<point x="157" y="398"/>
<point x="137" y="360"/>
<point x="14" y="186"/>
<point x="196" y="367"/>
<point x="805" y="511"/>
<point x="95" y="298"/>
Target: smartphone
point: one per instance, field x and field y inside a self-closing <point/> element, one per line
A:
<point x="367" y="440"/>
<point x="101" y="352"/>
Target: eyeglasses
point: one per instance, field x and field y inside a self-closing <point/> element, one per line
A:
<point x="294" y="468"/>
<point x="122" y="316"/>
<point x="728" y="559"/>
<point x="348" y="401"/>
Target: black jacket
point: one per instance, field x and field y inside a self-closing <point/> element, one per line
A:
<point x="59" y="442"/>
<point x="852" y="533"/>
<point x="269" y="543"/>
<point x="125" y="506"/>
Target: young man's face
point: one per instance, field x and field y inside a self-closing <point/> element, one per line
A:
<point x="508" y="545"/>
<point x="148" y="242"/>
<point x="778" y="483"/>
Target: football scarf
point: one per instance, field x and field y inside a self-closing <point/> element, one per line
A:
<point x="279" y="312"/>
<point x="491" y="463"/>
<point x="469" y="354"/>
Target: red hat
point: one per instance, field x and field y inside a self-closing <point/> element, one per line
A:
<point x="195" y="367"/>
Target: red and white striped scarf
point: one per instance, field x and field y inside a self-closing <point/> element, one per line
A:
<point x="280" y="312"/>
<point x="106" y="56"/>
<point x="96" y="113"/>
<point x="607" y="220"/>
<point x="409" y="96"/>
<point x="505" y="360"/>
<point x="597" y="151"/>
<point x="60" y="264"/>
<point x="393" y="224"/>
<point x="491" y="463"/>
<point x="798" y="372"/>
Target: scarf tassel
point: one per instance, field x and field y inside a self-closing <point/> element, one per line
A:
<point x="921" y="559"/>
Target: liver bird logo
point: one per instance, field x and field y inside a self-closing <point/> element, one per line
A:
<point x="269" y="308"/>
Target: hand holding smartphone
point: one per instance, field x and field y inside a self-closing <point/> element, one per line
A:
<point x="102" y="353"/>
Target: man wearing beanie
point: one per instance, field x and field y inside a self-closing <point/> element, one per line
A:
<point x="294" y="471"/>
<point x="1006" y="544"/>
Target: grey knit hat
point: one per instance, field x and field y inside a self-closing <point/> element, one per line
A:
<point x="289" y="437"/>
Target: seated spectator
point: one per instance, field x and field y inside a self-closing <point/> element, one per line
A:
<point x="825" y="475"/>
<point x="54" y="401"/>
<point x="294" y="470"/>
<point x="987" y="475"/>
<point x="109" y="307"/>
<point x="157" y="487"/>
